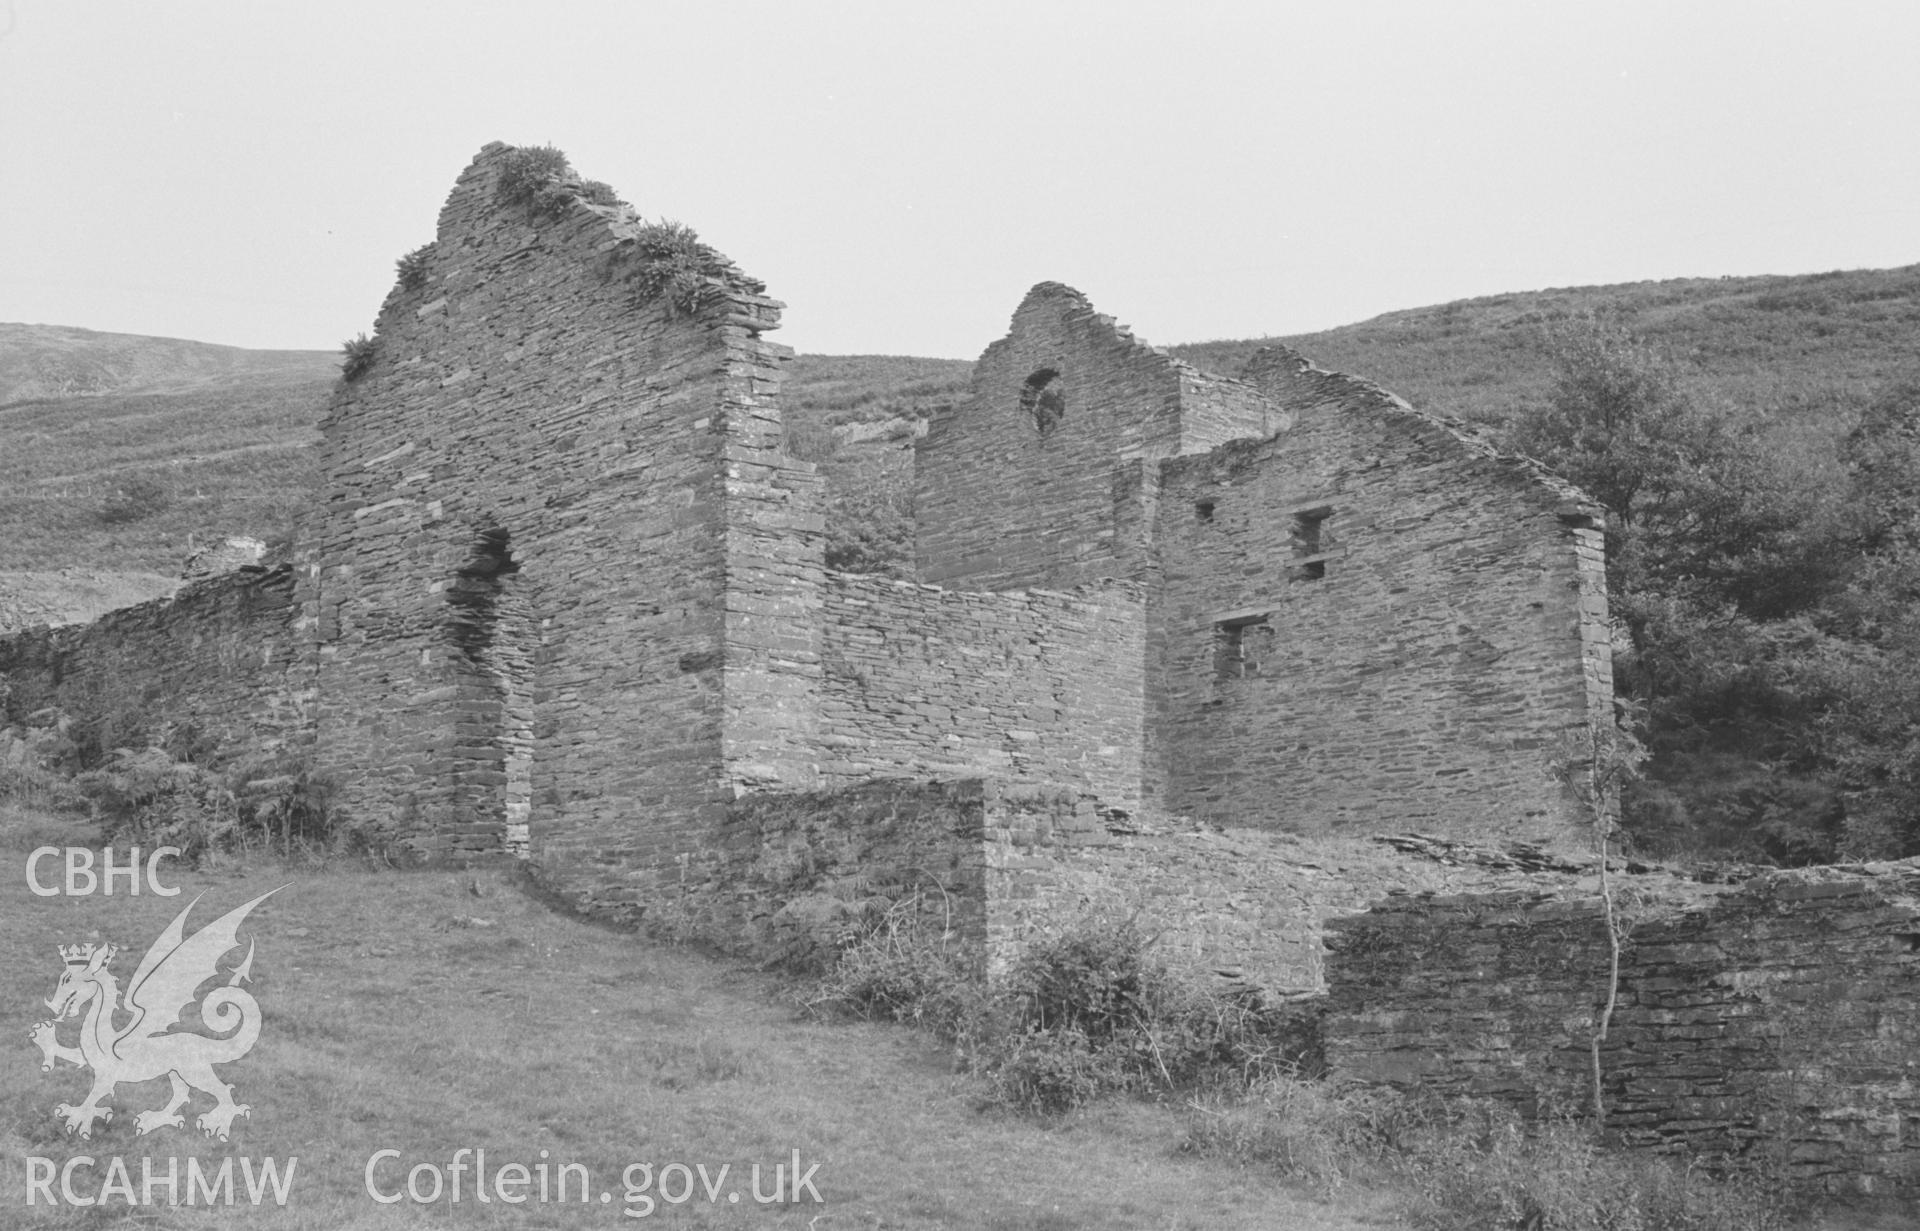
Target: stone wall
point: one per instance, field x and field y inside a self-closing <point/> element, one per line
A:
<point x="1778" y="1024"/>
<point x="562" y="559"/>
<point x="1369" y="620"/>
<point x="210" y="672"/>
<point x="1034" y="686"/>
<point x="786" y="878"/>
<point x="997" y="864"/>
<point x="1245" y="905"/>
<point x="1016" y="486"/>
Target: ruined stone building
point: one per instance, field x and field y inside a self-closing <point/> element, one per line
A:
<point x="564" y="572"/>
<point x="564" y="581"/>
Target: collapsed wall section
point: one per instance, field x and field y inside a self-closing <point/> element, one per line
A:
<point x="1034" y="686"/>
<point x="1778" y="1025"/>
<point x="210" y="673"/>
<point x="1368" y="620"/>
<point x="1017" y="485"/>
<point x="556" y="518"/>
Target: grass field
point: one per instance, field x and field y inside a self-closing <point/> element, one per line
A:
<point x="424" y="1012"/>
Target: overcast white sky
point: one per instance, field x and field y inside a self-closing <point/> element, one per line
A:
<point x="900" y="173"/>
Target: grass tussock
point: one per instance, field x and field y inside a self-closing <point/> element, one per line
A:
<point x="1475" y="1166"/>
<point x="1488" y="1170"/>
<point x="1083" y="1014"/>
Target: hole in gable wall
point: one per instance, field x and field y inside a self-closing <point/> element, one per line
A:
<point x="1045" y="398"/>
<point x="1203" y="510"/>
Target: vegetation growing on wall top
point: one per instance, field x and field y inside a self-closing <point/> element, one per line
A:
<point x="665" y="262"/>
<point x="539" y="179"/>
<point x="412" y="268"/>
<point x="356" y="356"/>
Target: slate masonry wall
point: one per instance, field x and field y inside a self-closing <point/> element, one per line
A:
<point x="1776" y="1025"/>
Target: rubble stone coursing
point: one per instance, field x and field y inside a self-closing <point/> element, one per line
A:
<point x="1368" y="621"/>
<point x="1010" y="491"/>
<point x="208" y="671"/>
<point x="555" y="545"/>
<point x="1033" y="686"/>
<point x="564" y="577"/>
<point x="1777" y="1024"/>
<point x="996" y="863"/>
<point x="1359" y="615"/>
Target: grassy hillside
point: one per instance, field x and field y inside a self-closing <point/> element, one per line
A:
<point x="181" y="442"/>
<point x="54" y="361"/>
<point x="1807" y="350"/>
<point x="221" y="433"/>
<point x="426" y="1012"/>
<point x="119" y="481"/>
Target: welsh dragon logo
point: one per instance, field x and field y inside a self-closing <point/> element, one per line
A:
<point x="144" y="1047"/>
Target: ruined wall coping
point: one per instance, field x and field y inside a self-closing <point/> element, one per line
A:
<point x="743" y="297"/>
<point x="1357" y="394"/>
<point x="1076" y="306"/>
<point x="1892" y="881"/>
<point x="244" y="577"/>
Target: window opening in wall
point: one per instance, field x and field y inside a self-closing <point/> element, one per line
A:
<point x="1312" y="546"/>
<point x="1203" y="510"/>
<point x="1045" y="398"/>
<point x="1240" y="646"/>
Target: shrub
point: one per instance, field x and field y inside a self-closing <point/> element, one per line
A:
<point x="143" y="796"/>
<point x="136" y="499"/>
<point x="599" y="193"/>
<point x="357" y="356"/>
<point x="900" y="969"/>
<point x="283" y="800"/>
<point x="29" y="767"/>
<point x="1083" y="1014"/>
<point x="870" y="529"/>
<point x="413" y="267"/>
<point x="665" y="262"/>
<point x="1053" y="1070"/>
<point x="532" y="177"/>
